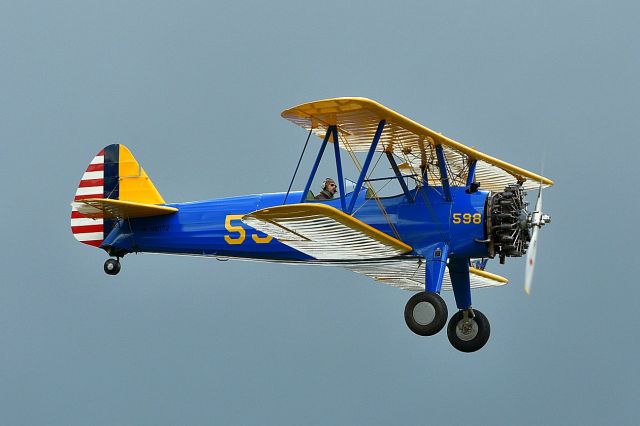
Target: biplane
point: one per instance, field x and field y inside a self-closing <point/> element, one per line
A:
<point x="456" y="208"/>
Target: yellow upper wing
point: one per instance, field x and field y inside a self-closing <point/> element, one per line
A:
<point x="358" y="118"/>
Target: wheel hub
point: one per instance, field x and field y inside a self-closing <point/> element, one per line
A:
<point x="424" y="313"/>
<point x="467" y="329"/>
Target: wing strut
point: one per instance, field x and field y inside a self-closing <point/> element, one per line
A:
<point x="471" y="175"/>
<point x="315" y="165"/>
<point x="336" y="148"/>
<point x="332" y="132"/>
<point x="396" y="170"/>
<point x="444" y="177"/>
<point x="367" y="162"/>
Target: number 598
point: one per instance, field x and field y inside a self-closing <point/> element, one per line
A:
<point x="467" y="218"/>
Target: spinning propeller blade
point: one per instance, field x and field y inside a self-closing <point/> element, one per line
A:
<point x="537" y="220"/>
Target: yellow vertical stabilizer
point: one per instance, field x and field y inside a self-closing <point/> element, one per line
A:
<point x="134" y="184"/>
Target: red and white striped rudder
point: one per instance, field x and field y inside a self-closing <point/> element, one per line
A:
<point x="85" y="229"/>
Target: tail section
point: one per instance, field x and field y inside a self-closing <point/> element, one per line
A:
<point x="115" y="174"/>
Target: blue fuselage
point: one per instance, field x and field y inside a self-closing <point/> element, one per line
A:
<point x="215" y="228"/>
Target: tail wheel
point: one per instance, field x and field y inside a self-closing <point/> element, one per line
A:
<point x="468" y="330"/>
<point x="426" y="313"/>
<point x="112" y="266"/>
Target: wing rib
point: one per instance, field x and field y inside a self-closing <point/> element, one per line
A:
<point x="325" y="233"/>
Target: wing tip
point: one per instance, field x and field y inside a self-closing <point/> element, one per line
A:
<point x="488" y="275"/>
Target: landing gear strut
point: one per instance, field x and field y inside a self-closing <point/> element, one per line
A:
<point x="468" y="330"/>
<point x="112" y="266"/>
<point x="426" y="313"/>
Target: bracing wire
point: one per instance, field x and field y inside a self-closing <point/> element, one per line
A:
<point x="297" y="166"/>
<point x="370" y="186"/>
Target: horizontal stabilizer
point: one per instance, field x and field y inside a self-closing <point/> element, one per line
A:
<point x="105" y="208"/>
<point x="324" y="232"/>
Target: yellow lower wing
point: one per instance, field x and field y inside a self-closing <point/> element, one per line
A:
<point x="117" y="209"/>
<point x="325" y="233"/>
<point x="483" y="276"/>
<point x="409" y="274"/>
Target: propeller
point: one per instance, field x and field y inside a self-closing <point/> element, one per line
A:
<point x="536" y="220"/>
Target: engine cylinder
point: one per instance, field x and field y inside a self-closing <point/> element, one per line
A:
<point x="507" y="223"/>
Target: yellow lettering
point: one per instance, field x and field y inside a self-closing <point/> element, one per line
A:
<point x="467" y="218"/>
<point x="234" y="228"/>
<point x="261" y="240"/>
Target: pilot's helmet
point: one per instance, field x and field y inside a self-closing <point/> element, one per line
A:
<point x="327" y="181"/>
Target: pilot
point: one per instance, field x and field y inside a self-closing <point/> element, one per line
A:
<point x="328" y="190"/>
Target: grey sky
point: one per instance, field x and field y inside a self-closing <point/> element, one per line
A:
<point x="195" y="89"/>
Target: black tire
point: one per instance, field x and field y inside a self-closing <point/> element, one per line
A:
<point x="472" y="339"/>
<point x="112" y="266"/>
<point x="426" y="313"/>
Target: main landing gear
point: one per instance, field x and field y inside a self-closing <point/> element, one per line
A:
<point x="426" y="314"/>
<point x="112" y="266"/>
<point x="468" y="330"/>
